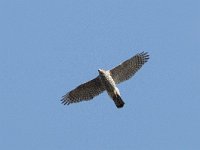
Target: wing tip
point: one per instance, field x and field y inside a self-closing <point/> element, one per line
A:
<point x="144" y="55"/>
<point x="65" y="99"/>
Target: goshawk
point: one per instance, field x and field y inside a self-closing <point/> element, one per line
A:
<point x="106" y="81"/>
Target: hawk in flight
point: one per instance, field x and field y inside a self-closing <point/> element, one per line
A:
<point x="106" y="81"/>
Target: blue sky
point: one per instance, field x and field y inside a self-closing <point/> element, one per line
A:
<point x="49" y="47"/>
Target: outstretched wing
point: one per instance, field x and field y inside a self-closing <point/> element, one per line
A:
<point x="128" y="68"/>
<point x="85" y="91"/>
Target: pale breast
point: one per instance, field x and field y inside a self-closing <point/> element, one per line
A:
<point x="108" y="83"/>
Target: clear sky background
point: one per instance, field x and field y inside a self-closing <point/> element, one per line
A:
<point x="48" y="47"/>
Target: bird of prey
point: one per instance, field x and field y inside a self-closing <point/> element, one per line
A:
<point x="106" y="81"/>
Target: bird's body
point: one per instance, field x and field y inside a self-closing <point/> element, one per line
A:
<point x="107" y="80"/>
<point x="111" y="88"/>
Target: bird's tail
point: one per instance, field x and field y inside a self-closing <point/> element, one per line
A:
<point x="118" y="101"/>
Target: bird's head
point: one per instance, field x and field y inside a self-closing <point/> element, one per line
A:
<point x="101" y="71"/>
